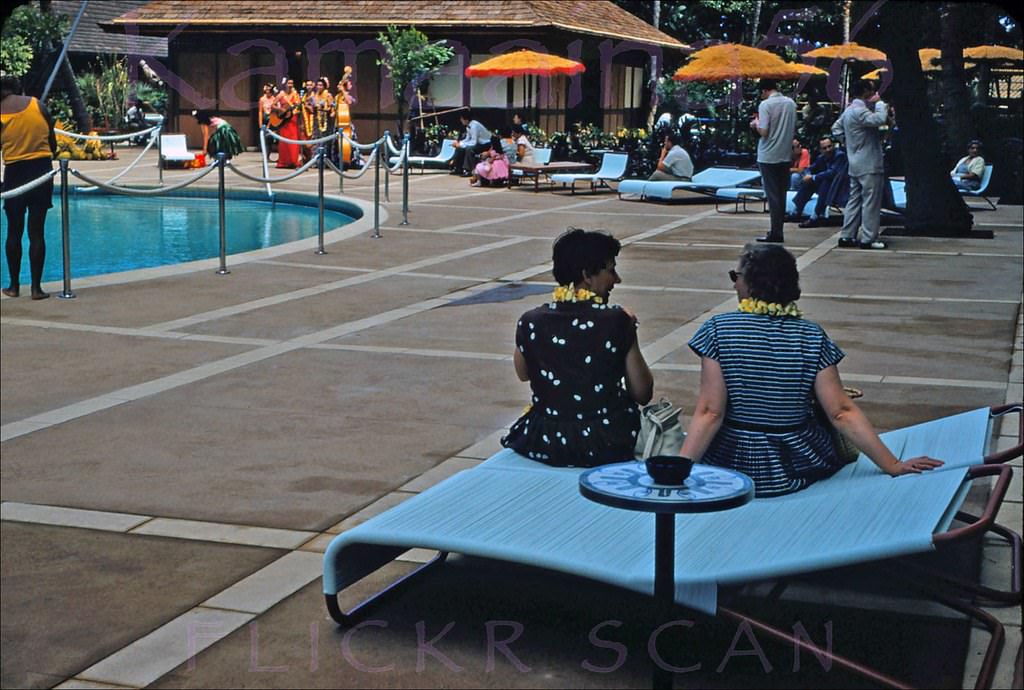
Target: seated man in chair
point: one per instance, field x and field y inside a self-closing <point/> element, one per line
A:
<point x="818" y="179"/>
<point x="674" y="162"/>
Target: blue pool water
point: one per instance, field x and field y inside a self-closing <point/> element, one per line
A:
<point x="111" y="233"/>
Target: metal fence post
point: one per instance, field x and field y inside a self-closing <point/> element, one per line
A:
<point x="65" y="230"/>
<point x="160" y="154"/>
<point x="221" y="162"/>
<point x="405" y="179"/>
<point x="376" y="189"/>
<point x="320" y="197"/>
<point x="387" y="167"/>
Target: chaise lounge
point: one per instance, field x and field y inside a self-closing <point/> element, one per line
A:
<point x="613" y="168"/>
<point x="707" y="181"/>
<point x="536" y="516"/>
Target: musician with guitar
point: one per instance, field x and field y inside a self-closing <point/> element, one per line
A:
<point x="283" y="119"/>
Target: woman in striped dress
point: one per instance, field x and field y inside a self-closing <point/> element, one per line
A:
<point x="762" y="367"/>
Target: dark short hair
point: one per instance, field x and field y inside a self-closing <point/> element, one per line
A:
<point x="675" y="137"/>
<point x="863" y="86"/>
<point x="201" y="116"/>
<point x="518" y="129"/>
<point x="767" y="84"/>
<point x="976" y="142"/>
<point x="823" y="137"/>
<point x="466" y="115"/>
<point x="10" y="84"/>
<point x="578" y="253"/>
<point x="770" y="273"/>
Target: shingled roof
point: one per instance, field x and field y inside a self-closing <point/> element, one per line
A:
<point x="595" y="17"/>
<point x="92" y="39"/>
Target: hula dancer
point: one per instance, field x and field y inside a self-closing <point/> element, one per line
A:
<point x="218" y="135"/>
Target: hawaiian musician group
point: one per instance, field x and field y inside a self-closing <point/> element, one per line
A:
<point x="311" y="113"/>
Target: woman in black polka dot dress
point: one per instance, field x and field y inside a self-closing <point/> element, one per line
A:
<point x="582" y="359"/>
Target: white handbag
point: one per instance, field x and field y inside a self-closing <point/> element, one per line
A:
<point x="660" y="430"/>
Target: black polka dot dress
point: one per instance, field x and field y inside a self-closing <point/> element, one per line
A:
<point x="581" y="414"/>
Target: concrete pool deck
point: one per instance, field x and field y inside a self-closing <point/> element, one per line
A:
<point x="177" y="450"/>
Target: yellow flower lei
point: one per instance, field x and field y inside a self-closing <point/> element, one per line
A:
<point x="566" y="293"/>
<point x="759" y="306"/>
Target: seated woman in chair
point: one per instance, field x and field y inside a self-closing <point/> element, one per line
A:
<point x="493" y="166"/>
<point x="581" y="356"/>
<point x="969" y="170"/>
<point x="762" y="368"/>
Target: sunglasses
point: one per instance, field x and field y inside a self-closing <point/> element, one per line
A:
<point x="733" y="275"/>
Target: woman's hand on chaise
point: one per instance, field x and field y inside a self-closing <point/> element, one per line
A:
<point x="916" y="465"/>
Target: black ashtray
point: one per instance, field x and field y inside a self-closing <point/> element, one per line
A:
<point x="669" y="469"/>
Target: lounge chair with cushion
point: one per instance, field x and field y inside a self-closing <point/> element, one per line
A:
<point x="707" y="181"/>
<point x="174" y="149"/>
<point x="443" y="157"/>
<point x="613" y="167"/>
<point x="513" y="509"/>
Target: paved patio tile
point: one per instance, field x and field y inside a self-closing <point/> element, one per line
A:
<point x="102" y="363"/>
<point x="94" y="592"/>
<point x="383" y="503"/>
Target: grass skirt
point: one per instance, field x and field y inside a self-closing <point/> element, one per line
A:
<point x="224" y="139"/>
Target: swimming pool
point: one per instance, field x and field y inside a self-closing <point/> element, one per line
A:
<point x="112" y="233"/>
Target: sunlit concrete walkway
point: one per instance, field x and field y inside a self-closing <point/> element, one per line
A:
<point x="178" y="447"/>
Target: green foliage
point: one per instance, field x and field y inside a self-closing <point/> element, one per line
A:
<point x="26" y="36"/>
<point x="410" y="57"/>
<point x="153" y="96"/>
<point x="105" y="89"/>
<point x="59" y="106"/>
<point x="15" y="55"/>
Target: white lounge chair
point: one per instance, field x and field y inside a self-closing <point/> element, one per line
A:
<point x="174" y="149"/>
<point x="517" y="510"/>
<point x="613" y="167"/>
<point x="707" y="181"/>
<point x="443" y="157"/>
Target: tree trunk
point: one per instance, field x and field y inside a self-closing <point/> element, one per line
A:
<point x="652" y="111"/>
<point x="934" y="207"/>
<point x="955" y="96"/>
<point x="81" y="113"/>
<point x="756" y="22"/>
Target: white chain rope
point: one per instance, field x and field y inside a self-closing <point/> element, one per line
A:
<point x="154" y="191"/>
<point x="152" y="140"/>
<point x="270" y="180"/>
<point x="28" y="186"/>
<point x="301" y="142"/>
<point x="113" y="137"/>
<point x="366" y="166"/>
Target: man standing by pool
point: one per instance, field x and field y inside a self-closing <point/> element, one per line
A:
<point x="859" y="127"/>
<point x="28" y="147"/>
<point x="775" y="124"/>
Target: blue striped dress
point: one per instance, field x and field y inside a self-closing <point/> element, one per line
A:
<point x="770" y="432"/>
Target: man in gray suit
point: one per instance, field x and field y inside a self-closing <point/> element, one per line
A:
<point x="859" y="124"/>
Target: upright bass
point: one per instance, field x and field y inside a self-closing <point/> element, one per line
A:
<point x="343" y="117"/>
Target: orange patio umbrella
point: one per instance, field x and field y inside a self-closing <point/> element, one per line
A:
<point x="847" y="51"/>
<point x="525" y="62"/>
<point x="994" y="53"/>
<point x="930" y="59"/>
<point x="729" y="61"/>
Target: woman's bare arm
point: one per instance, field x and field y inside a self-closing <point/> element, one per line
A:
<point x="710" y="411"/>
<point x="854" y="425"/>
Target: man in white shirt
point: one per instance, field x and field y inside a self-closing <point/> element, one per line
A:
<point x="477" y="139"/>
<point x="674" y="163"/>
<point x="775" y="124"/>
<point x="859" y="125"/>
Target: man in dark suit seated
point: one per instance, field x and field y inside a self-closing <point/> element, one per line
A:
<point x="818" y="179"/>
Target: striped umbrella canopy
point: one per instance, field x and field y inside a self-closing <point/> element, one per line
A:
<point x="995" y="53"/>
<point x="729" y="61"/>
<point x="847" y="51"/>
<point x="523" y="62"/>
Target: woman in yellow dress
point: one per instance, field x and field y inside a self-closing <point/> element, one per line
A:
<point x="343" y="116"/>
